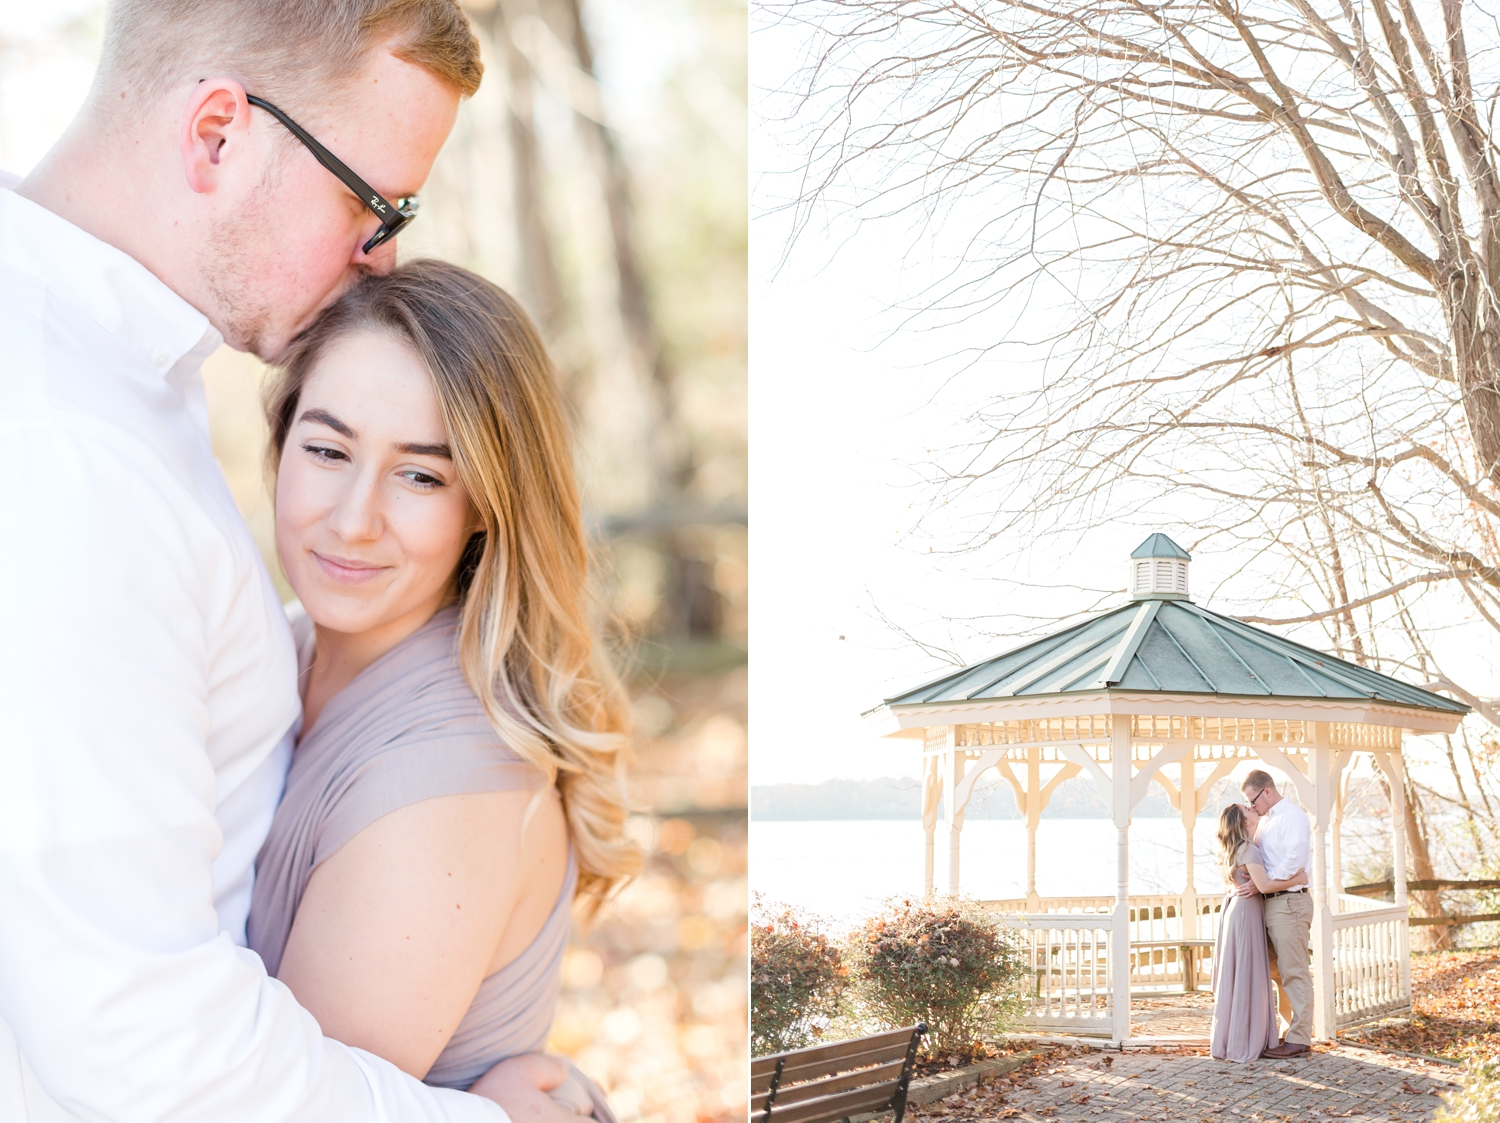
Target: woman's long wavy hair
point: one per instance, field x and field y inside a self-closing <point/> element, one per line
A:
<point x="528" y="642"/>
<point x="1234" y="836"/>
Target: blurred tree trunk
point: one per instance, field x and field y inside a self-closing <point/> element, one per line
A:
<point x="545" y="46"/>
<point x="539" y="266"/>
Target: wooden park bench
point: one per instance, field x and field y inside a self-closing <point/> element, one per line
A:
<point x="830" y="1082"/>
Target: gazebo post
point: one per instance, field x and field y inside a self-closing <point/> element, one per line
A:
<point x="1324" y="778"/>
<point x="1396" y="771"/>
<point x="932" y="794"/>
<point x="952" y="813"/>
<point x="1120" y="775"/>
<point x="1335" y="842"/>
<point x="1033" y="812"/>
<point x="1187" y="801"/>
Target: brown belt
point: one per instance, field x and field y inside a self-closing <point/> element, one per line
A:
<point x="1284" y="892"/>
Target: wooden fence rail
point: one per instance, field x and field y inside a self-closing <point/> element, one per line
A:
<point x="1375" y="888"/>
<point x="1380" y="888"/>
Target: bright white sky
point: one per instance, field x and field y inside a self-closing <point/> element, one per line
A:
<point x="840" y="416"/>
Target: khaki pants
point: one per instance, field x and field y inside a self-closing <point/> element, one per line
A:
<point x="1289" y="926"/>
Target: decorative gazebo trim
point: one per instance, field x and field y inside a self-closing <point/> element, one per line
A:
<point x="1160" y="684"/>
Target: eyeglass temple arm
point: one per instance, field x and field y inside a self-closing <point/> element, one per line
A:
<point x="367" y="194"/>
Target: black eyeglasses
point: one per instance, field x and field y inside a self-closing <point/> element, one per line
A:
<point x="393" y="216"/>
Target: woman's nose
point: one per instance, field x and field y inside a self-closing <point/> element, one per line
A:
<point x="356" y="516"/>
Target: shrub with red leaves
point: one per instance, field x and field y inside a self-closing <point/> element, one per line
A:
<point x="947" y="963"/>
<point x="797" y="978"/>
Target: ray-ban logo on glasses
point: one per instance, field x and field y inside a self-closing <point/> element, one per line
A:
<point x="377" y="203"/>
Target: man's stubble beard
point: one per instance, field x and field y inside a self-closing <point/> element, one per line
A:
<point x="234" y="277"/>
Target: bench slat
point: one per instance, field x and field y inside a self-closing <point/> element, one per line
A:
<point x="814" y="1089"/>
<point x="764" y="1066"/>
<point x="837" y="1106"/>
<point x="843" y="1048"/>
<point x="794" y="1073"/>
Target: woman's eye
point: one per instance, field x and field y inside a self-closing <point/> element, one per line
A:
<point x="421" y="479"/>
<point x="326" y="454"/>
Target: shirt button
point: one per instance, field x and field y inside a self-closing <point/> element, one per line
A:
<point x="160" y="357"/>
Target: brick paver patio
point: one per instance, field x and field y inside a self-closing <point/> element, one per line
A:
<point x="1114" y="1087"/>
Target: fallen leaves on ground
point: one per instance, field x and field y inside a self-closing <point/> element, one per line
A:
<point x="988" y="1100"/>
<point x="1455" y="1007"/>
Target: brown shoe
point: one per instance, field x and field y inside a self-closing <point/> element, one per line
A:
<point x="1286" y="1049"/>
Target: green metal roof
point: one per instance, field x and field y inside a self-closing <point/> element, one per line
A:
<point x="1160" y="546"/>
<point x="1169" y="647"/>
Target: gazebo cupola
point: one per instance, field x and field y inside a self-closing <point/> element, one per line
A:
<point x="1158" y="568"/>
<point x="1163" y="690"/>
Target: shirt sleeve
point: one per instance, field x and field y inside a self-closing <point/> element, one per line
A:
<point x="124" y="998"/>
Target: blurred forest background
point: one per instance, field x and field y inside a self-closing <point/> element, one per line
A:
<point x="600" y="175"/>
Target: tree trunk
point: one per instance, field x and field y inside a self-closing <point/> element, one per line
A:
<point x="1435" y="936"/>
<point x="1474" y="324"/>
<point x="544" y="293"/>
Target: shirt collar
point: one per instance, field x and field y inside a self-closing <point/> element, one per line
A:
<point x="108" y="285"/>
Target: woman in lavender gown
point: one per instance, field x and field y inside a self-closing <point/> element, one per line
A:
<point x="1244" y="1024"/>
<point x="455" y="787"/>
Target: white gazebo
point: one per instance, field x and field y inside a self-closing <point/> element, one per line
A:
<point x="1162" y="690"/>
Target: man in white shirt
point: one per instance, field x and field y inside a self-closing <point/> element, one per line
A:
<point x="147" y="677"/>
<point x="1285" y="838"/>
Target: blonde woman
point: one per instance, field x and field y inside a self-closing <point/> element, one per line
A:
<point x="1244" y="1023"/>
<point x="456" y="783"/>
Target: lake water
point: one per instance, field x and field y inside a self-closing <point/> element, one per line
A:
<point x="843" y="870"/>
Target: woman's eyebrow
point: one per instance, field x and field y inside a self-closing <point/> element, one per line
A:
<point x="426" y="450"/>
<point x="323" y="417"/>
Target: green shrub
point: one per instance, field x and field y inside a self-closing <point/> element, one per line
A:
<point x="1478" y="1101"/>
<point x="797" y="978"/>
<point x="946" y="963"/>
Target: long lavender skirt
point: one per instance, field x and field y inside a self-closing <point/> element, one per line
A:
<point x="1244" y="1012"/>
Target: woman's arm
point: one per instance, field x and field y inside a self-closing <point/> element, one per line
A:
<point x="1264" y="884"/>
<point x="398" y="928"/>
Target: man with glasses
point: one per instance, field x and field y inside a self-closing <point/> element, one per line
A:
<point x="1285" y="838"/>
<point x="147" y="676"/>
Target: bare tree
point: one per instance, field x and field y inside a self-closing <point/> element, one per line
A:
<point x="1267" y="234"/>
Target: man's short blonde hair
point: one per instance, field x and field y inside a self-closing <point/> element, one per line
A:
<point x="298" y="54"/>
<point x="1260" y="781"/>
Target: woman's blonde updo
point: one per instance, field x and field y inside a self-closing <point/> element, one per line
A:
<point x="527" y="638"/>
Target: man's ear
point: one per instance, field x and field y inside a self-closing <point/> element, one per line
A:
<point x="215" y="122"/>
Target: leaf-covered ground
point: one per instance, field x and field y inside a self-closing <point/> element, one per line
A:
<point x="1455" y="1007"/>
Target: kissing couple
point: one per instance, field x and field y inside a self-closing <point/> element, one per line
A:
<point x="254" y="869"/>
<point x="1266" y="843"/>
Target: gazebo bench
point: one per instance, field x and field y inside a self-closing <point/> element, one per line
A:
<point x="831" y="1082"/>
<point x="1188" y="950"/>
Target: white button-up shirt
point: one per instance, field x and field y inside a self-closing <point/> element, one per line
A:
<point x="1285" y="838"/>
<point x="147" y="686"/>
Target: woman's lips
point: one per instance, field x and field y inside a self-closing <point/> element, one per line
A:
<point x="347" y="571"/>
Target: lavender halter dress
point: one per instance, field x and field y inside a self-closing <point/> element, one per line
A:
<point x="1244" y="1024"/>
<point x="409" y="728"/>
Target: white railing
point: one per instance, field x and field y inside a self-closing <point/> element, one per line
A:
<point x="1154" y="919"/>
<point x="1368" y="981"/>
<point x="1069" y="961"/>
<point x="1067" y="940"/>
